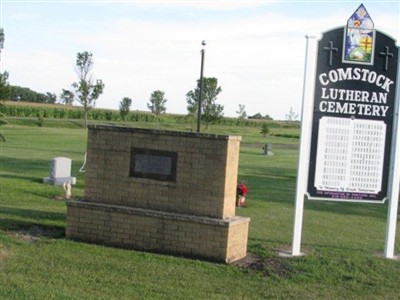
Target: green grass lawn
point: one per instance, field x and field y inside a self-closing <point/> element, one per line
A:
<point x="343" y="242"/>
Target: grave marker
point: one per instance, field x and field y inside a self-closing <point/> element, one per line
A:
<point x="268" y="149"/>
<point x="60" y="171"/>
<point x="163" y="191"/>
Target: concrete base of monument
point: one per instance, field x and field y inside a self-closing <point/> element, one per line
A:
<point x="289" y="254"/>
<point x="394" y="257"/>
<point x="59" y="181"/>
<point x="223" y="240"/>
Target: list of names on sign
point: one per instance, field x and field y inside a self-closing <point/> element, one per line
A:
<point x="350" y="155"/>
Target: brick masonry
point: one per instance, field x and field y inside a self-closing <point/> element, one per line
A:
<point x="192" y="214"/>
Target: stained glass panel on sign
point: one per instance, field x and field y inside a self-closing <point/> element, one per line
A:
<point x="359" y="38"/>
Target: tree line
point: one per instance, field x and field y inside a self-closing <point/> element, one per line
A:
<point x="86" y="90"/>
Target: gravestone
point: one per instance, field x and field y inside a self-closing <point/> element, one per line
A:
<point x="60" y="171"/>
<point x="268" y="149"/>
<point x="161" y="191"/>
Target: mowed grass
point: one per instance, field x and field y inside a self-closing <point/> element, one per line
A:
<point x="343" y="242"/>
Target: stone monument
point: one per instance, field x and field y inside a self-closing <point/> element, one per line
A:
<point x="161" y="191"/>
<point x="60" y="171"/>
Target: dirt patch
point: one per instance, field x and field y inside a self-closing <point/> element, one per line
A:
<point x="57" y="198"/>
<point x="35" y="233"/>
<point x="3" y="253"/>
<point x="3" y="256"/>
<point x="271" y="266"/>
<point x="274" y="146"/>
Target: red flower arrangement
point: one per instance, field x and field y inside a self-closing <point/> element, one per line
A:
<point x="241" y="192"/>
<point x="242" y="189"/>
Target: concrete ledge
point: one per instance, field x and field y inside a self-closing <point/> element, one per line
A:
<point x="223" y="240"/>
<point x="159" y="214"/>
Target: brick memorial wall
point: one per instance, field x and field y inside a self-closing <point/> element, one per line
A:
<point x="161" y="191"/>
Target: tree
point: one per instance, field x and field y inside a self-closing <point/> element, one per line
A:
<point x="291" y="116"/>
<point x="4" y="86"/>
<point x="87" y="90"/>
<point x="157" y="102"/>
<point x="260" y="116"/>
<point x="51" y="98"/>
<point x="264" y="129"/>
<point x="2" y="122"/>
<point x="18" y="93"/>
<point x="210" y="110"/>
<point x="5" y="90"/>
<point x="67" y="97"/>
<point x="2" y="38"/>
<point x="124" y="107"/>
<point x="242" y="112"/>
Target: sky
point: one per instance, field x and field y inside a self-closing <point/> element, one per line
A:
<point x="256" y="49"/>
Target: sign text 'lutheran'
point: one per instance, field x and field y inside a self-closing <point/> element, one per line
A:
<point x="354" y="102"/>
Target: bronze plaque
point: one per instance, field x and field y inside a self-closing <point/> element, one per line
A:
<point x="153" y="164"/>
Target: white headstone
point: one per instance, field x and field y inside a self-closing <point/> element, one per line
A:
<point x="60" y="171"/>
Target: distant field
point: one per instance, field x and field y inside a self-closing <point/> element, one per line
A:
<point x="343" y="242"/>
<point x="48" y="112"/>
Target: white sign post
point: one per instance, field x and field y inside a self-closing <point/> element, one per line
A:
<point x="394" y="178"/>
<point x="306" y="117"/>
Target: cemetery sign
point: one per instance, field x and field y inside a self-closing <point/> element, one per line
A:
<point x="354" y="99"/>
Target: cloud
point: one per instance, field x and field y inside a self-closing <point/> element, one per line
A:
<point x="23" y="16"/>
<point x="203" y="4"/>
<point x="42" y="71"/>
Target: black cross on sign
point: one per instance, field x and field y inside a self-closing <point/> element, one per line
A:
<point x="387" y="54"/>
<point x="331" y="50"/>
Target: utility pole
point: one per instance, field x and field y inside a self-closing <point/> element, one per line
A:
<point x="201" y="86"/>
